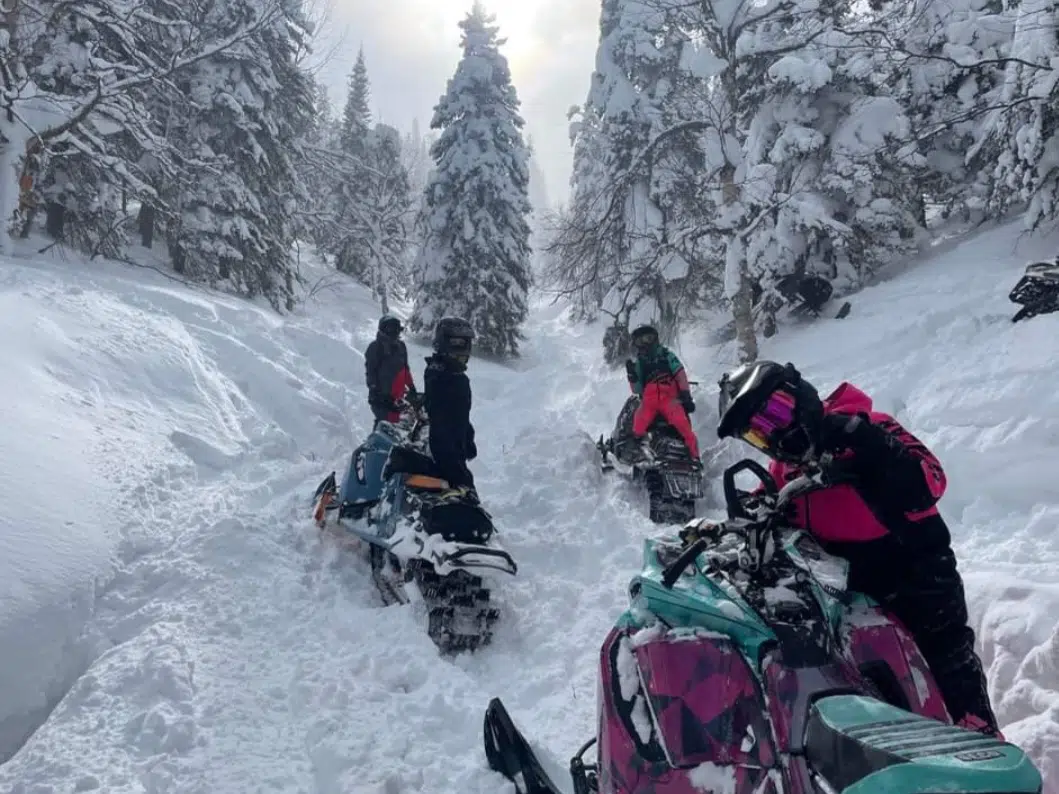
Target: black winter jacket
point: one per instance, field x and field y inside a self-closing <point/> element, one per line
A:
<point x="447" y="399"/>
<point x="384" y="361"/>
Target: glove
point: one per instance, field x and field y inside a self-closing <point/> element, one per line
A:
<point x="630" y="370"/>
<point x="838" y="471"/>
<point x="839" y="432"/>
<point x="687" y="403"/>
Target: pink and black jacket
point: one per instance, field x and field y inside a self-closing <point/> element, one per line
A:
<point x="890" y="517"/>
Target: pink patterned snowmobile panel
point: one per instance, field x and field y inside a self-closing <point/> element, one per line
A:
<point x="706" y="705"/>
<point x="782" y="685"/>
<point x="881" y="638"/>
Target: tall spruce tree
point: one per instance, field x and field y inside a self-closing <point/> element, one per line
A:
<point x="356" y="117"/>
<point x="350" y="248"/>
<point x="475" y="262"/>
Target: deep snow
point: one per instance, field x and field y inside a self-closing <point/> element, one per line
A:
<point x="160" y="445"/>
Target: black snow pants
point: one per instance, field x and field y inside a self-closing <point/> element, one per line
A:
<point x="929" y="599"/>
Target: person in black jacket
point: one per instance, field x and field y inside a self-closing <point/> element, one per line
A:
<point x="386" y="370"/>
<point x="447" y="399"/>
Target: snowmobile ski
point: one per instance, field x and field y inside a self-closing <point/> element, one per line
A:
<point x="509" y="753"/>
<point x="323" y="499"/>
<point x="605" y="448"/>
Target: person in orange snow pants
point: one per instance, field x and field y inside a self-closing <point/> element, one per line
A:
<point x="659" y="378"/>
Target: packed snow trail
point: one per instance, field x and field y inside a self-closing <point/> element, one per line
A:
<point x="230" y="648"/>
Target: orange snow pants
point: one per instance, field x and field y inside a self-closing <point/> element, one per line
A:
<point x="661" y="397"/>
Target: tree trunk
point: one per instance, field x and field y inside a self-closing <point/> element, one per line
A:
<point x="54" y="220"/>
<point x="146" y="224"/>
<point x="742" y="312"/>
<point x="742" y="301"/>
<point x="177" y="256"/>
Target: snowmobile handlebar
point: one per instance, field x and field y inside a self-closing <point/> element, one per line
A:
<point x="676" y="569"/>
<point x="759" y="511"/>
<point x="768" y="500"/>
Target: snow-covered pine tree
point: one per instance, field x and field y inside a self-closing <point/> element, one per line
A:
<point x="234" y="212"/>
<point x="538" y="199"/>
<point x="830" y="171"/>
<point x="943" y="61"/>
<point x="380" y="217"/>
<point x="743" y="57"/>
<point x="356" y="116"/>
<point x="318" y="150"/>
<point x="475" y="261"/>
<point x="615" y="245"/>
<point x="77" y="84"/>
<point x="415" y="156"/>
<point x="350" y="193"/>
<point x="1023" y="129"/>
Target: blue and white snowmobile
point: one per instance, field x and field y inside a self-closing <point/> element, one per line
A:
<point x="427" y="541"/>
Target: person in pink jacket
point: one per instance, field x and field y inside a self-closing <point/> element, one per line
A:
<point x="880" y="514"/>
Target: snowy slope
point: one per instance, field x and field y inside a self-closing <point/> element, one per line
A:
<point x="213" y="642"/>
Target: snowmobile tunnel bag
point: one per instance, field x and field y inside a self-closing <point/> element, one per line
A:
<point x="405" y="460"/>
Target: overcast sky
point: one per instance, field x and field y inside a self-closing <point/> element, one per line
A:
<point x="411" y="48"/>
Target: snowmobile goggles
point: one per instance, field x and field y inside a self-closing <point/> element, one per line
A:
<point x="458" y="348"/>
<point x="768" y="425"/>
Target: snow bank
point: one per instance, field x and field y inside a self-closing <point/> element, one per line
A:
<point x="232" y="647"/>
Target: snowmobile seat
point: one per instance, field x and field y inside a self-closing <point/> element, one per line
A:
<point x="424" y="482"/>
<point x="811" y="291"/>
<point x="859" y="744"/>
<point x="405" y="460"/>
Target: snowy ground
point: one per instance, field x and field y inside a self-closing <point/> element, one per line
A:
<point x="159" y="575"/>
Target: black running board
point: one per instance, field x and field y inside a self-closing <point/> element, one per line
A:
<point x="509" y="753"/>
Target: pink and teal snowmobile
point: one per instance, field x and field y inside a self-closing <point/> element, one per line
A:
<point x="745" y="666"/>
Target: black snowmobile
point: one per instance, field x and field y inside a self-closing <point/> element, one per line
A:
<point x="661" y="460"/>
<point x="1037" y="291"/>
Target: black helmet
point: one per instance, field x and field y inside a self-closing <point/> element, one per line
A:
<point x="644" y="338"/>
<point x="390" y="326"/>
<point x="453" y="337"/>
<point x="771" y="407"/>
